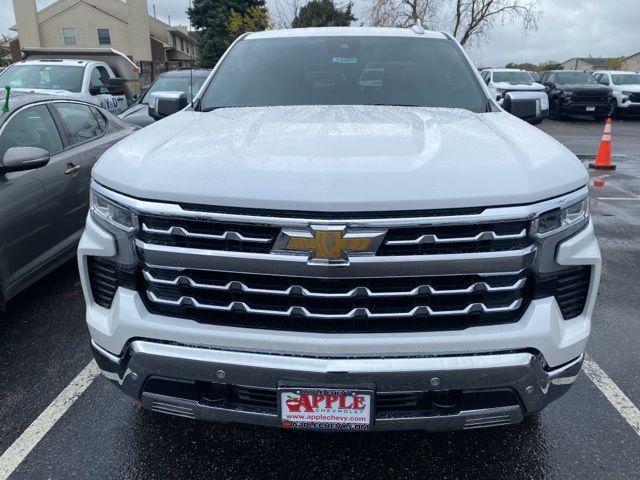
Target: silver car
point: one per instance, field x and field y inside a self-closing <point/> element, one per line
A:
<point x="48" y="146"/>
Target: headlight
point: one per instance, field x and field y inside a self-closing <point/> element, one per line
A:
<point x="554" y="220"/>
<point x="627" y="94"/>
<point x="566" y="93"/>
<point x="111" y="212"/>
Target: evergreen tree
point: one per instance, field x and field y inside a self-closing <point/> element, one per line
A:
<point x="323" y="13"/>
<point x="218" y="25"/>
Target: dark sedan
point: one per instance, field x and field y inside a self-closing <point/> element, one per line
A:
<point x="48" y="146"/>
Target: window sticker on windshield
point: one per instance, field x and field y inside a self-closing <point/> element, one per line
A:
<point x="344" y="60"/>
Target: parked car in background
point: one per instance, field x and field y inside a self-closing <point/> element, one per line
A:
<point x="175" y="81"/>
<point x="90" y="81"/>
<point x="503" y="80"/>
<point x="576" y="92"/>
<point x="625" y="88"/>
<point x="48" y="146"/>
<point x="2" y="68"/>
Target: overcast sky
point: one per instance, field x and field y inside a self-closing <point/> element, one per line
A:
<point x="568" y="28"/>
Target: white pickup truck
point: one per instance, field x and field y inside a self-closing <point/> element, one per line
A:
<point x="75" y="74"/>
<point x="300" y="248"/>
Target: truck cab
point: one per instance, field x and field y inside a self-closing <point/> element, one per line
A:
<point x="91" y="81"/>
<point x="625" y="89"/>
<point x="504" y="80"/>
<point x="576" y="92"/>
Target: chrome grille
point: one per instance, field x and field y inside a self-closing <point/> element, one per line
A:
<point x="589" y="97"/>
<point x="259" y="238"/>
<point x="336" y="305"/>
<point x="191" y="233"/>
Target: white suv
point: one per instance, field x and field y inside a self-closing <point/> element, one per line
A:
<point x="626" y="90"/>
<point x="503" y="80"/>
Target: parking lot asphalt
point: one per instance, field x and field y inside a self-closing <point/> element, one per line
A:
<point x="45" y="344"/>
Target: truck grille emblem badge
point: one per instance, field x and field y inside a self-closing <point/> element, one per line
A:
<point x="329" y="243"/>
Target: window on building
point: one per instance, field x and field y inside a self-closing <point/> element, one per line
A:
<point x="173" y="38"/>
<point x="182" y="44"/>
<point x="104" y="37"/>
<point x="69" y="36"/>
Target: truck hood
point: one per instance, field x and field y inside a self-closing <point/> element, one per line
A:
<point x="628" y="88"/>
<point x="341" y="158"/>
<point x="530" y="86"/>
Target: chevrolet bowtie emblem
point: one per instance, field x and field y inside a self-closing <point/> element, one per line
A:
<point x="329" y="244"/>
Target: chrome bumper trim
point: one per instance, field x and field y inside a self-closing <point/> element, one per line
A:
<point x="482" y="236"/>
<point x="183" y="232"/>
<point x="523" y="372"/>
<point x="181" y="279"/>
<point x="354" y="313"/>
<point x="295" y="265"/>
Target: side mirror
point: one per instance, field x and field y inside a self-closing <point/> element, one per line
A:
<point x="94" y="90"/>
<point x="525" y="105"/>
<point x="163" y="104"/>
<point x="18" y="159"/>
<point x="116" y="86"/>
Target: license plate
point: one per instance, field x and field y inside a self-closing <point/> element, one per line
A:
<point x="591" y="109"/>
<point x="325" y="408"/>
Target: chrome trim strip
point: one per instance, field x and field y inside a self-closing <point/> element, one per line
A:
<point x="358" y="291"/>
<point x="183" y="232"/>
<point x="491" y="214"/>
<point x="490" y="235"/>
<point x="356" y="312"/>
<point x="297" y="265"/>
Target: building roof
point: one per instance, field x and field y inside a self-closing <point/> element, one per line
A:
<point x="633" y="55"/>
<point x="594" y="61"/>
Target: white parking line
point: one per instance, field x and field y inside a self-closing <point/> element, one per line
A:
<point x="616" y="397"/>
<point x="16" y="453"/>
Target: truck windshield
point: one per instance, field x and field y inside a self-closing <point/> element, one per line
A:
<point x="576" y="78"/>
<point x="47" y="77"/>
<point x="174" y="84"/>
<point x="626" y="79"/>
<point x="349" y="70"/>
<point x="512" y="77"/>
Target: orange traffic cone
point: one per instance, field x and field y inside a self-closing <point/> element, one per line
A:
<point x="603" y="157"/>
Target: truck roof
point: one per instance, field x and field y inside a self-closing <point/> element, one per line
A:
<point x="345" y="31"/>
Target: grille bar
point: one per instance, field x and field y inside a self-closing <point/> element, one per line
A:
<point x="183" y="232"/>
<point x="482" y="236"/>
<point x="354" y="292"/>
<point x="354" y="313"/>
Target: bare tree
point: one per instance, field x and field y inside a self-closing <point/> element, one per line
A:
<point x="474" y="18"/>
<point x="468" y="20"/>
<point x="402" y="13"/>
<point x="285" y="11"/>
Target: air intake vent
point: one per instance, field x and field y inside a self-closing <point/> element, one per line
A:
<point x="570" y="288"/>
<point x="105" y="277"/>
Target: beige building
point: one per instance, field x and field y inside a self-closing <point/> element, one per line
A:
<point x="632" y="63"/>
<point x="123" y="26"/>
<point x="588" y="63"/>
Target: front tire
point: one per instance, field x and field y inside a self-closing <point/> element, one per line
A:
<point x="613" y="108"/>
<point x="554" y="110"/>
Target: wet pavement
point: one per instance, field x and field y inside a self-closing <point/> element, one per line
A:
<point x="106" y="435"/>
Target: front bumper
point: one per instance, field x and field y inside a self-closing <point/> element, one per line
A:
<point x="581" y="108"/>
<point x="186" y="370"/>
